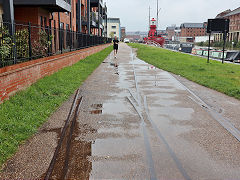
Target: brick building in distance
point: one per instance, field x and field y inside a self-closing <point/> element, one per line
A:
<point x="234" y="26"/>
<point x="190" y="30"/>
<point x="170" y="30"/>
<point x="123" y="33"/>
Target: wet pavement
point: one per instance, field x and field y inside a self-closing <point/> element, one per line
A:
<point x="136" y="122"/>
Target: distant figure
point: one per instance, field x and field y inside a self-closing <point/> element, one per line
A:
<point x="115" y="46"/>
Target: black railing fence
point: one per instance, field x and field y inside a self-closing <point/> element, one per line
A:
<point x="25" y="42"/>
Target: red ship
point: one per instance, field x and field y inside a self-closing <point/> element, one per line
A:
<point x="153" y="37"/>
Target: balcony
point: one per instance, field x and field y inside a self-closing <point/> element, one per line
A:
<point x="94" y="3"/>
<point x="93" y="19"/>
<point x="99" y="22"/>
<point x="51" y="5"/>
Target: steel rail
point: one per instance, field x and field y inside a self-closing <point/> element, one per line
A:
<point x="169" y="149"/>
<point x="147" y="143"/>
<point x="157" y="131"/>
<point x="66" y="163"/>
<point x="60" y="142"/>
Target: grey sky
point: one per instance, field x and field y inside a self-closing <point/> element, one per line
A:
<point x="134" y="13"/>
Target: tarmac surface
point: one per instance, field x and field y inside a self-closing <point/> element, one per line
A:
<point x="139" y="122"/>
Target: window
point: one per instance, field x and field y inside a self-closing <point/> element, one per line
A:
<point x="114" y="27"/>
<point x="61" y="25"/>
<point x="67" y="27"/>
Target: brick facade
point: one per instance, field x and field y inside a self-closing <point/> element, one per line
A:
<point x="31" y="14"/>
<point x="65" y="18"/>
<point x="170" y="32"/>
<point x="193" y="32"/>
<point x="20" y="76"/>
<point x="234" y="26"/>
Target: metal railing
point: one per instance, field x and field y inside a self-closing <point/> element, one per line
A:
<point x="28" y="42"/>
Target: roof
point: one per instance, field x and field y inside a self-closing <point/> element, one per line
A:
<point x="235" y="11"/>
<point x="171" y="28"/>
<point x="192" y="25"/>
<point x="220" y="15"/>
<point x="113" y="20"/>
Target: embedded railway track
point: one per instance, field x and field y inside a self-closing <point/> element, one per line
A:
<point x="58" y="167"/>
<point x="226" y="124"/>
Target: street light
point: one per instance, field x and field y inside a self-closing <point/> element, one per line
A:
<point x="232" y="45"/>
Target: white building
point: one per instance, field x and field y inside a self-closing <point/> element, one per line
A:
<point x="203" y="38"/>
<point x="113" y="28"/>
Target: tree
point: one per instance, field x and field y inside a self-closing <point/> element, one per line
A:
<point x="112" y="34"/>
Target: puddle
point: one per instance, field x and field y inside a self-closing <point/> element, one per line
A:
<point x="138" y="61"/>
<point x="176" y="113"/>
<point x="164" y="102"/>
<point x="115" y="107"/>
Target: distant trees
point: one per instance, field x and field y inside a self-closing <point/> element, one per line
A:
<point x="229" y="45"/>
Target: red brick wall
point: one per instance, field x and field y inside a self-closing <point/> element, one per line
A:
<point x="26" y="14"/>
<point x="20" y="76"/>
<point x="234" y="22"/>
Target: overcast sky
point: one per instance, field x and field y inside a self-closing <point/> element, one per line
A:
<point x="134" y="13"/>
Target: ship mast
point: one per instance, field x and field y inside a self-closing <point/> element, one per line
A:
<point x="158" y="10"/>
<point x="149" y="16"/>
<point x="157" y="14"/>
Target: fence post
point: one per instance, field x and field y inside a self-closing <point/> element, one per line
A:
<point x="48" y="33"/>
<point x="70" y="40"/>
<point x="29" y="41"/>
<point x="13" y="34"/>
<point x="61" y="40"/>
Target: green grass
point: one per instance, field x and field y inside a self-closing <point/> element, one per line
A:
<point x="24" y="113"/>
<point x="224" y="78"/>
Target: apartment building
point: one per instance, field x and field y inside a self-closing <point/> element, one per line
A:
<point x="97" y="17"/>
<point x="113" y="28"/>
<point x="85" y="16"/>
<point x="234" y="26"/>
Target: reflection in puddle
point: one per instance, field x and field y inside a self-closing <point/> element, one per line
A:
<point x="96" y="112"/>
<point x="97" y="106"/>
<point x="97" y="109"/>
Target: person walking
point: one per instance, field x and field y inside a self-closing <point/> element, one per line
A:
<point x="115" y="46"/>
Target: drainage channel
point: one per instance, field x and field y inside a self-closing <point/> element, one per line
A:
<point x="62" y="152"/>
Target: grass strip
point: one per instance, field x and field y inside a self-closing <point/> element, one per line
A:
<point x="24" y="113"/>
<point x="224" y="78"/>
